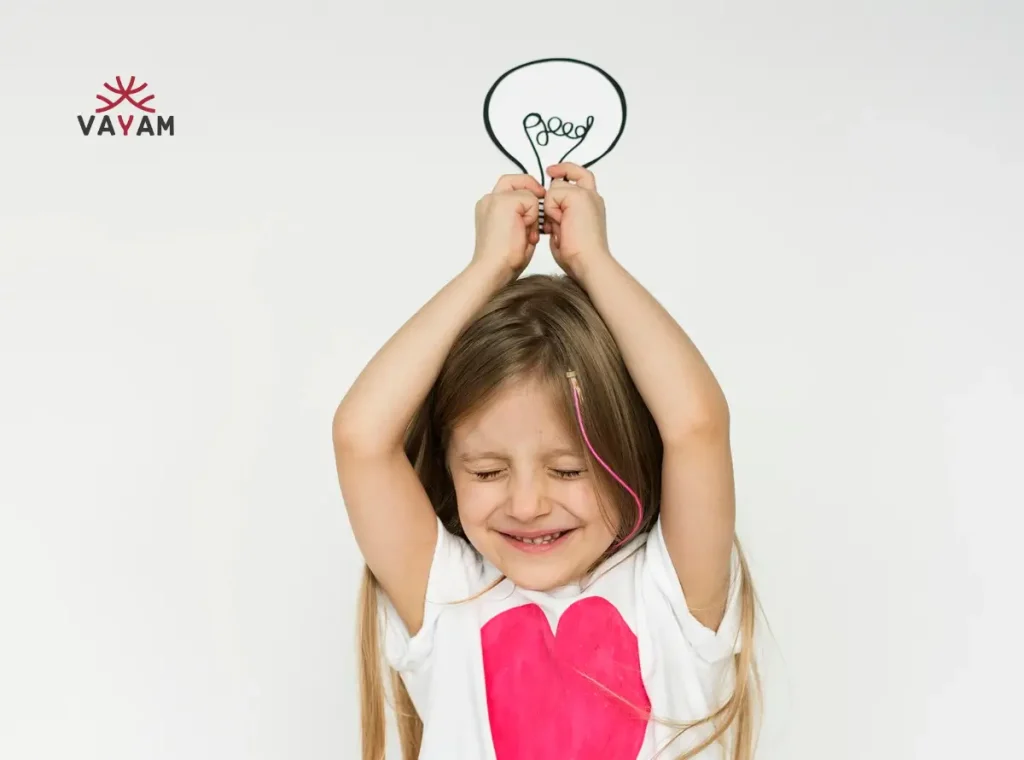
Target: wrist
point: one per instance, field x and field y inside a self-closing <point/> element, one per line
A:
<point x="494" y="275"/>
<point x="584" y="268"/>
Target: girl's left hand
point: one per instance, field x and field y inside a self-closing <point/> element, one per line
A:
<point x="574" y="217"/>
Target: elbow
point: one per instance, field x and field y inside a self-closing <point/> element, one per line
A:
<point x="715" y="417"/>
<point x="353" y="435"/>
<point x="345" y="431"/>
<point x="712" y="414"/>
<point x="709" y="421"/>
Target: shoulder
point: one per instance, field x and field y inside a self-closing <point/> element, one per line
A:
<point x="457" y="574"/>
<point x="662" y="601"/>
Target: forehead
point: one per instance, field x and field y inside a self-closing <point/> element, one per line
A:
<point x="524" y="413"/>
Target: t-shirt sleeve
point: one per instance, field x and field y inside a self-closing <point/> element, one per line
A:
<point x="455" y="574"/>
<point x="711" y="646"/>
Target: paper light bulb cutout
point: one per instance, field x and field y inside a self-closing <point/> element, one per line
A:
<point x="553" y="110"/>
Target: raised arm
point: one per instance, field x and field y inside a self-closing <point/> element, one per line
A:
<point x="391" y="517"/>
<point x="698" y="502"/>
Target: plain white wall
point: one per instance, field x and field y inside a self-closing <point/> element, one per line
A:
<point x="826" y="195"/>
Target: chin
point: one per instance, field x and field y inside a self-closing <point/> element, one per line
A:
<point x="535" y="574"/>
<point x="538" y="581"/>
<point x="539" y="569"/>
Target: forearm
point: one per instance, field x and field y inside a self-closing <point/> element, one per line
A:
<point x="676" y="383"/>
<point x="378" y="407"/>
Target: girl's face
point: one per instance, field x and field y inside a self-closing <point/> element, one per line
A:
<point x="526" y="500"/>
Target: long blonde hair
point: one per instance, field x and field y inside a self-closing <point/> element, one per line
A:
<point x="540" y="326"/>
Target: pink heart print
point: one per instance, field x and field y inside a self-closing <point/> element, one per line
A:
<point x="541" y="707"/>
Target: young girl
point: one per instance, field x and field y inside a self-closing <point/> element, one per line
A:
<point x="538" y="474"/>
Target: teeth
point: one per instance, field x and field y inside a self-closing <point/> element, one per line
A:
<point x="540" y="539"/>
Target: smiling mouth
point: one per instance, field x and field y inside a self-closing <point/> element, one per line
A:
<point x="540" y="541"/>
<point x="545" y="539"/>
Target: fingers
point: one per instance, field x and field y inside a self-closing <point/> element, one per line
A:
<point x="526" y="182"/>
<point x="528" y="207"/>
<point x="552" y="208"/>
<point x="526" y="191"/>
<point x="554" y="232"/>
<point x="573" y="173"/>
<point x="562" y="178"/>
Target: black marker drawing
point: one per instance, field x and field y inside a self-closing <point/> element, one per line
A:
<point x="539" y="113"/>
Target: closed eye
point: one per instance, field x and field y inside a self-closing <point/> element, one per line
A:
<point x="561" y="474"/>
<point x="569" y="474"/>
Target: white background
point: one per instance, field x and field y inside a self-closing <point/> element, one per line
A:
<point x="826" y="195"/>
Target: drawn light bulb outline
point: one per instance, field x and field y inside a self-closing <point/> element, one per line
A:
<point x="561" y="87"/>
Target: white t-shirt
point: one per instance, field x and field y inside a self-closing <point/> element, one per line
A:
<point x="499" y="677"/>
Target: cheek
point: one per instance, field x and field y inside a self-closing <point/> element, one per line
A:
<point x="579" y="497"/>
<point x="476" y="500"/>
<point x="582" y="501"/>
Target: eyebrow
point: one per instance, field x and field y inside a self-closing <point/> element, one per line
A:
<point x="474" y="455"/>
<point x="470" y="456"/>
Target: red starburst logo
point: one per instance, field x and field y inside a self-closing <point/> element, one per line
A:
<point x="126" y="93"/>
<point x="134" y="95"/>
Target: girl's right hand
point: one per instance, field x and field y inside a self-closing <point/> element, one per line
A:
<point x="506" y="224"/>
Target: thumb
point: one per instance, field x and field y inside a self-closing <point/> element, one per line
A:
<point x="527" y="206"/>
<point x="557" y="199"/>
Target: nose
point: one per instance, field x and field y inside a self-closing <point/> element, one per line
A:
<point x="527" y="501"/>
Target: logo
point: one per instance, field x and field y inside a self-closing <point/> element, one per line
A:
<point x="149" y="122"/>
